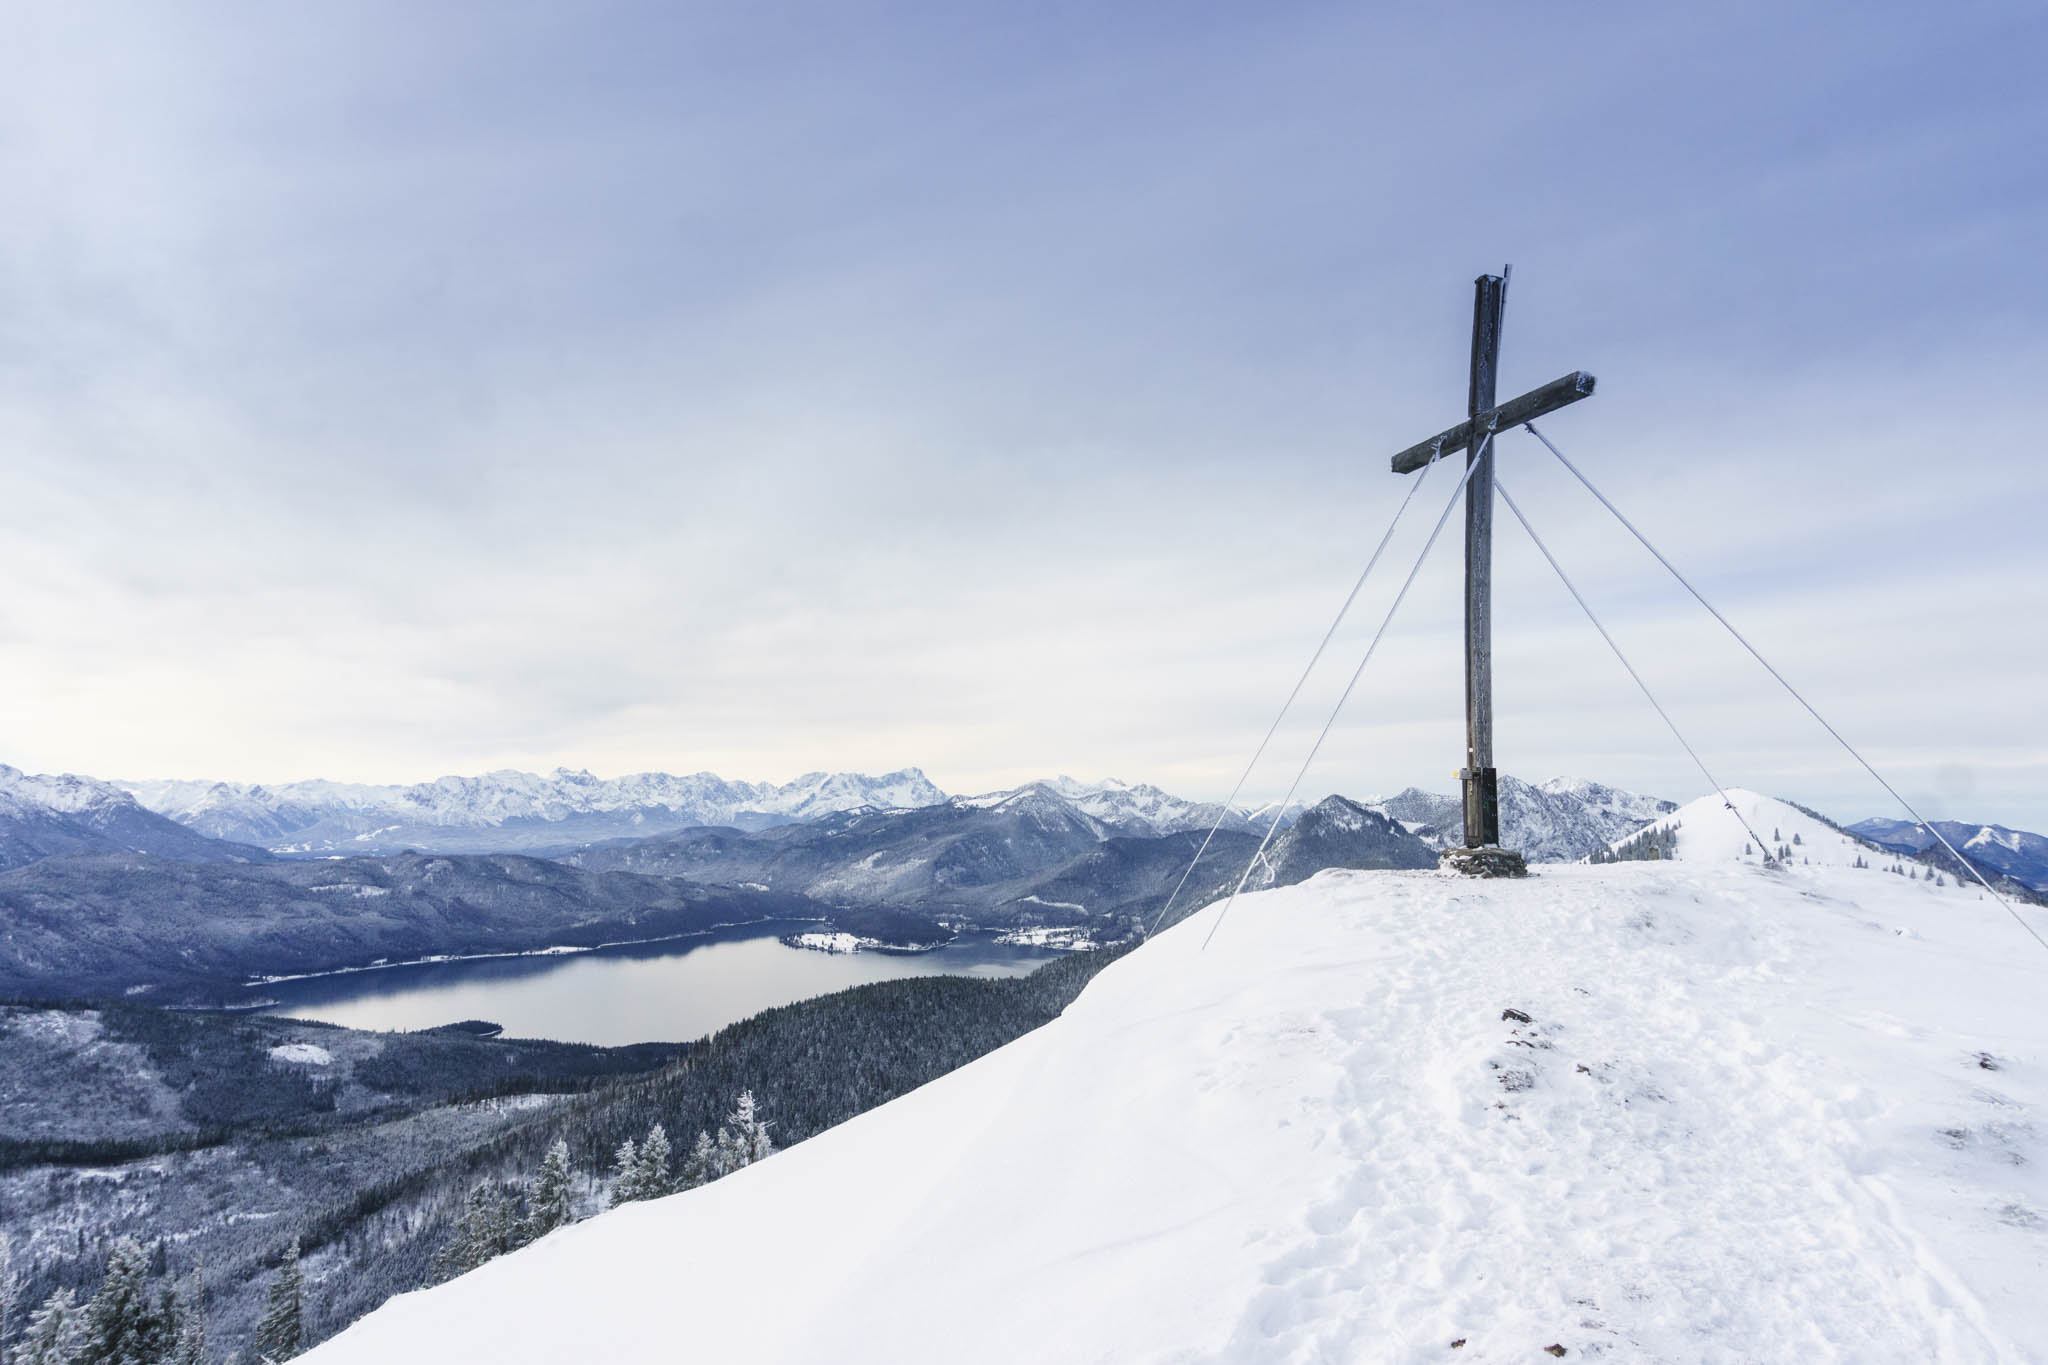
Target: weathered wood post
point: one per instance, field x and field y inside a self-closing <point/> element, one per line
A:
<point x="1481" y="782"/>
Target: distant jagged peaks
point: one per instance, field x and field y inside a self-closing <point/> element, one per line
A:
<point x="1138" y="808"/>
<point x="44" y="815"/>
<point x="1337" y="832"/>
<point x="57" y="793"/>
<point x="510" y="809"/>
<point x="1558" y="821"/>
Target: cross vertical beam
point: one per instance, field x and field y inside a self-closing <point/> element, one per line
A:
<point x="1481" y="781"/>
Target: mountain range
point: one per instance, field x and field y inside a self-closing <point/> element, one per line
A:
<point x="2010" y="852"/>
<point x="44" y="816"/>
<point x="509" y="810"/>
<point x="103" y="893"/>
<point x="1561" y="820"/>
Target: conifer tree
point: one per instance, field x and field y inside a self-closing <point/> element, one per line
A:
<point x="55" y="1332"/>
<point x="121" y="1324"/>
<point x="483" y="1230"/>
<point x="548" y="1204"/>
<point x="743" y="1137"/>
<point x="700" y="1167"/>
<point x="626" y="1162"/>
<point x="654" y="1164"/>
<point x="191" y="1349"/>
<point x="280" y="1333"/>
<point x="752" y="1128"/>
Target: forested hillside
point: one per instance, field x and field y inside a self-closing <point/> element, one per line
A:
<point x="217" y="1142"/>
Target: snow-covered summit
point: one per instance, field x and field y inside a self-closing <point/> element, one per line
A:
<point x="1708" y="830"/>
<point x="44" y="814"/>
<point x="1675" y="1111"/>
<point x="56" y="793"/>
<point x="1141" y="808"/>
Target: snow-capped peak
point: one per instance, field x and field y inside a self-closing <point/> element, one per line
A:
<point x="59" y="793"/>
<point x="1711" y="830"/>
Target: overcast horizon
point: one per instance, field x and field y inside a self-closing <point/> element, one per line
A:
<point x="389" y="393"/>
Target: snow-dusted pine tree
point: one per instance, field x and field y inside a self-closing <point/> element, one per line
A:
<point x="482" y="1230"/>
<point x="626" y="1165"/>
<point x="654" y="1179"/>
<point x="750" y="1130"/>
<point x="191" y="1349"/>
<point x="121" y="1324"/>
<point x="548" y="1202"/>
<point x="280" y="1333"/>
<point x="55" y="1332"/>
<point x="700" y="1167"/>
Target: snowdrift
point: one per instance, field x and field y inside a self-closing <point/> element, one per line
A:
<point x="1749" y="1115"/>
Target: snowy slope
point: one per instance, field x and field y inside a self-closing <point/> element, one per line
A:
<point x="1754" y="1116"/>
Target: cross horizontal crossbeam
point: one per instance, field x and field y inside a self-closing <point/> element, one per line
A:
<point x="1535" y="403"/>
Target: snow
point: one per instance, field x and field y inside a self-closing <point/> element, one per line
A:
<point x="822" y="942"/>
<point x="1754" y="1115"/>
<point x="59" y="793"/>
<point x="1709" y="832"/>
<point x="490" y="800"/>
<point x="302" y="1054"/>
<point x="1070" y="938"/>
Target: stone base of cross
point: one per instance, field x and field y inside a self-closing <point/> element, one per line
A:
<point x="1482" y="855"/>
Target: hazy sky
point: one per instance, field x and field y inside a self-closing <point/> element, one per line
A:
<point x="395" y="390"/>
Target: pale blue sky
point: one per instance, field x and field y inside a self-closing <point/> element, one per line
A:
<point x="394" y="390"/>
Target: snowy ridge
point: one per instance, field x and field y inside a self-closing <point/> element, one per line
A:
<point x="2017" y="853"/>
<point x="1646" y="1112"/>
<point x="42" y="815"/>
<point x="59" y="794"/>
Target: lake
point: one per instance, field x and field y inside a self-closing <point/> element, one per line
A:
<point x="636" y="993"/>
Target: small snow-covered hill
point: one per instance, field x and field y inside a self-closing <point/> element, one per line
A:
<point x="1673" y="1111"/>
<point x="1707" y="830"/>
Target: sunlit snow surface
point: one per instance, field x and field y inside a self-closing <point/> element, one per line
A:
<point x="1756" y="1116"/>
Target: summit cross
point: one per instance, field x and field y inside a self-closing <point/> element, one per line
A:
<point x="1485" y="418"/>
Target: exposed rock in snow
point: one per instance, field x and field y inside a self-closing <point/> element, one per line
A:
<point x="1742" y="1117"/>
<point x="302" y="1054"/>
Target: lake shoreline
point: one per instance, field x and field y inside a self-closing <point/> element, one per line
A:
<point x="673" y="987"/>
<point x="554" y="950"/>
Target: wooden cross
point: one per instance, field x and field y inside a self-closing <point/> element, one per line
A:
<point x="1479" y="779"/>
